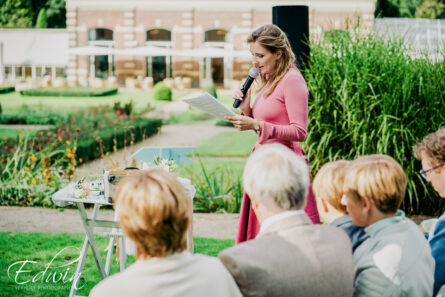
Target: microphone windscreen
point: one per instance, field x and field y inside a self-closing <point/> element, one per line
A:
<point x="253" y="72"/>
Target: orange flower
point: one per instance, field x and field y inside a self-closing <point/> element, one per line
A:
<point x="33" y="158"/>
<point x="80" y="160"/>
<point x="68" y="151"/>
<point x="68" y="143"/>
<point x="60" y="138"/>
<point x="27" y="168"/>
<point x="33" y="181"/>
<point x="70" y="156"/>
<point x="20" y="131"/>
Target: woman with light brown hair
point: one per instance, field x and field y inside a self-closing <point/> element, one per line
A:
<point x="155" y="213"/>
<point x="279" y="113"/>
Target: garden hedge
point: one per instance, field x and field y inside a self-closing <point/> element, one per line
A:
<point x="6" y="89"/>
<point x="32" y="118"/>
<point x="70" y="92"/>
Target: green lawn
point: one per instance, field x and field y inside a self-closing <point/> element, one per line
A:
<point x="192" y="116"/>
<point x="13" y="133"/>
<point x="231" y="144"/>
<point x="140" y="99"/>
<point x="234" y="165"/>
<point x="42" y="248"/>
<point x="197" y="116"/>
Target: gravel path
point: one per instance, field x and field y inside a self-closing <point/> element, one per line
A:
<point x="32" y="219"/>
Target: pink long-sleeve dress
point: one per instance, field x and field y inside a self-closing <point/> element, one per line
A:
<point x="284" y="115"/>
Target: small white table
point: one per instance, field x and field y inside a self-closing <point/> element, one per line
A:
<point x="66" y="197"/>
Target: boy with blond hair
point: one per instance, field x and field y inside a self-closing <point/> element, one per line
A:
<point x="396" y="259"/>
<point x="328" y="190"/>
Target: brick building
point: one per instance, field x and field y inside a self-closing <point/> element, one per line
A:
<point x="185" y="25"/>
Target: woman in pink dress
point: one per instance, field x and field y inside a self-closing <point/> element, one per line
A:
<point x="279" y="113"/>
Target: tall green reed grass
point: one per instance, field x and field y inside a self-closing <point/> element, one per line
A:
<point x="219" y="190"/>
<point x="368" y="97"/>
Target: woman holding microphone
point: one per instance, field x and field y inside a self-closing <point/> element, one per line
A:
<point x="279" y="113"/>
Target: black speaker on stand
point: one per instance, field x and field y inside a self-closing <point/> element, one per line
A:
<point x="294" y="21"/>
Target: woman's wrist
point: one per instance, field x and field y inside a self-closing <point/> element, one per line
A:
<point x="257" y="126"/>
<point x="246" y="111"/>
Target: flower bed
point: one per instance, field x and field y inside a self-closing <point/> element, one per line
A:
<point x="33" y="168"/>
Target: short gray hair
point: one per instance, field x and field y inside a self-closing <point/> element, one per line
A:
<point x="277" y="177"/>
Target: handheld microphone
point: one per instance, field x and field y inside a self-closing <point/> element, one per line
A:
<point x="253" y="73"/>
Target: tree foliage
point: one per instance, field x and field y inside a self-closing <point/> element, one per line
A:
<point x="56" y="13"/>
<point x="24" y="13"/>
<point x="41" y="19"/>
<point x="432" y="9"/>
<point x="16" y="14"/>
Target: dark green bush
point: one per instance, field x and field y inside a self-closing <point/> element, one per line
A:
<point x="32" y="118"/>
<point x="7" y="89"/>
<point x="70" y="92"/>
<point x="211" y="89"/>
<point x="369" y="97"/>
<point x="162" y="92"/>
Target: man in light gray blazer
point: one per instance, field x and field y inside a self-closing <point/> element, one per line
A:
<point x="290" y="256"/>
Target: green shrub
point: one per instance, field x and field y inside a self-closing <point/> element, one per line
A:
<point x="211" y="89"/>
<point x="7" y="89"/>
<point x="369" y="97"/>
<point x="162" y="92"/>
<point x="32" y="118"/>
<point x="70" y="92"/>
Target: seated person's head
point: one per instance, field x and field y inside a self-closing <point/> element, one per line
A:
<point x="154" y="212"/>
<point x="328" y="190"/>
<point x="276" y="180"/>
<point x="431" y="151"/>
<point x="373" y="189"/>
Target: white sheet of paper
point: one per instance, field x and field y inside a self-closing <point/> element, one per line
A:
<point x="209" y="104"/>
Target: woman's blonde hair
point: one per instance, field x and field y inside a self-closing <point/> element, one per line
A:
<point x="273" y="39"/>
<point x="328" y="183"/>
<point x="154" y="212"/>
<point x="378" y="177"/>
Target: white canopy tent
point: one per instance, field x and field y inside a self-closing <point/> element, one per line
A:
<point x="90" y="50"/>
<point x="156" y="51"/>
<point x="147" y="51"/>
<point x="45" y="48"/>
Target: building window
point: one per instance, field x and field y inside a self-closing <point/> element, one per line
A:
<point x="215" y="35"/>
<point x="100" y="34"/>
<point x="159" y="35"/>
